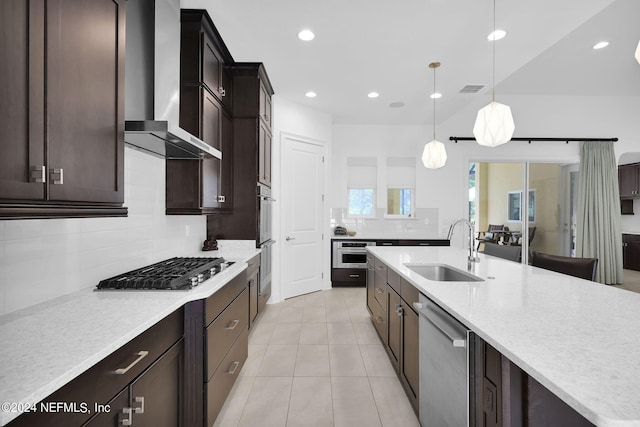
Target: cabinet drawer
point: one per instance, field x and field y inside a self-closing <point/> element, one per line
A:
<point x="253" y="264"/>
<point x="356" y="275"/>
<point x="409" y="293"/>
<point x="100" y="383"/>
<point x="217" y="302"/>
<point x="219" y="386"/>
<point x="393" y="279"/>
<point x="223" y="331"/>
<point x="379" y="319"/>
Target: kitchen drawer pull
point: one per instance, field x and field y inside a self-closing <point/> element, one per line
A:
<point x="355" y="276"/>
<point x="140" y="409"/>
<point x="231" y="326"/>
<point x="126" y="421"/>
<point x="380" y="267"/>
<point x="233" y="369"/>
<point x="141" y="355"/>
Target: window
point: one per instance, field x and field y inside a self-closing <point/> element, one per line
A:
<point x="401" y="179"/>
<point x="361" y="201"/>
<point x="514" y="204"/>
<point x="362" y="180"/>
<point x="400" y="202"/>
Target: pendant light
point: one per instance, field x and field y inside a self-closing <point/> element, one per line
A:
<point x="434" y="155"/>
<point x="638" y="53"/>
<point x="494" y="123"/>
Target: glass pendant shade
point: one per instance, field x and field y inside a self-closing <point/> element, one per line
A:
<point x="638" y="53"/>
<point x="494" y="125"/>
<point x="434" y="155"/>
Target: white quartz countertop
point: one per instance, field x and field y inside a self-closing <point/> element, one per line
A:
<point x="577" y="338"/>
<point x="47" y="345"/>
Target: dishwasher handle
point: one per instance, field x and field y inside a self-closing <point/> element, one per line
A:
<point x="445" y="329"/>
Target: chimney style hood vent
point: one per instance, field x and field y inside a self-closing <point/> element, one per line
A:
<point x="152" y="83"/>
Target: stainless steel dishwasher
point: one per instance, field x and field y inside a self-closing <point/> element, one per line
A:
<point x="446" y="368"/>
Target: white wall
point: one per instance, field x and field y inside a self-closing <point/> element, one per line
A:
<point x="44" y="259"/>
<point x="535" y="116"/>
<point x="292" y="118"/>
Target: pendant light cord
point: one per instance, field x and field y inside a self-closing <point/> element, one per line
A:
<point x="434" y="103"/>
<point x="493" y="92"/>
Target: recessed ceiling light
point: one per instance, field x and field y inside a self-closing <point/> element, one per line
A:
<point x="436" y="95"/>
<point x="600" y="45"/>
<point x="496" y="35"/>
<point x="310" y="94"/>
<point x="373" y="94"/>
<point x="306" y="35"/>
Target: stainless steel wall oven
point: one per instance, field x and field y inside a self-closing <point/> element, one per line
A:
<point x="350" y="254"/>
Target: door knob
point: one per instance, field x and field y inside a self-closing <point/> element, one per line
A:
<point x="290" y="238"/>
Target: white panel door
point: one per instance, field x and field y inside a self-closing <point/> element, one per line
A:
<point x="302" y="211"/>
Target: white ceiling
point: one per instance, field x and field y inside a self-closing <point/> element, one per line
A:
<point x="383" y="46"/>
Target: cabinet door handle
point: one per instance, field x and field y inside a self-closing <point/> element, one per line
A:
<point x="139" y="409"/>
<point x="141" y="355"/>
<point x="221" y="91"/>
<point x="57" y="176"/>
<point x="251" y="283"/>
<point x="222" y="199"/>
<point x="399" y="310"/>
<point x="38" y="174"/>
<point x="126" y="421"/>
<point x="233" y="368"/>
<point x="379" y="319"/>
<point x="379" y="290"/>
<point x="231" y="326"/>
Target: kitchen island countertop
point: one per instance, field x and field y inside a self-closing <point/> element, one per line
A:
<point x="575" y="337"/>
<point x="49" y="344"/>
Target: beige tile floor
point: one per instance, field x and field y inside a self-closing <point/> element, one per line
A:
<point x="316" y="360"/>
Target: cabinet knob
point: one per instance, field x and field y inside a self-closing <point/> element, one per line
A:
<point x="221" y="91"/>
<point x="139" y="409"/>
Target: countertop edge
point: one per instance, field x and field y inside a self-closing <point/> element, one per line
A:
<point x="204" y="290"/>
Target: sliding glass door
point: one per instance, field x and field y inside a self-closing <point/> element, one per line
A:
<point x="531" y="204"/>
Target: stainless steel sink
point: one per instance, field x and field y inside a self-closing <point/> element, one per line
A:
<point x="442" y="273"/>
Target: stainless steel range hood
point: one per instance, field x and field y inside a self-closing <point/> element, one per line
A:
<point x="152" y="83"/>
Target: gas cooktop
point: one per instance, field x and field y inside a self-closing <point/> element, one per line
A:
<point x="171" y="274"/>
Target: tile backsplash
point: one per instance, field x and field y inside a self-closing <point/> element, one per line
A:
<point x="44" y="259"/>
<point x="424" y="224"/>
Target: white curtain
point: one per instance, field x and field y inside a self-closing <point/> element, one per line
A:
<point x="599" y="235"/>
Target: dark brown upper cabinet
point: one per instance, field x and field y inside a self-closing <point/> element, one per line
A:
<point x="203" y="186"/>
<point x="62" y="108"/>
<point x="252" y="106"/>
<point x="629" y="181"/>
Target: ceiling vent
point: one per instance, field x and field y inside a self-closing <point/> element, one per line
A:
<point x="471" y="89"/>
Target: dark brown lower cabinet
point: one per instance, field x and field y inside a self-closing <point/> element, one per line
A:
<point x="631" y="251"/>
<point x="150" y="367"/>
<point x="402" y="346"/>
<point x="153" y="399"/>
<point x="216" y="336"/>
<point x="505" y="395"/>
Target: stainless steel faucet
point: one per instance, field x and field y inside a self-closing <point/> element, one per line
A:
<point x="473" y="250"/>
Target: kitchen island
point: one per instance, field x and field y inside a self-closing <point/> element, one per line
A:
<point x="576" y="338"/>
<point x="46" y="346"/>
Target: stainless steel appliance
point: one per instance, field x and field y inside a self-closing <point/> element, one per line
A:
<point x="265" y="241"/>
<point x="350" y="254"/>
<point x="171" y="274"/>
<point x="265" y="202"/>
<point x="152" y="80"/>
<point x="446" y="368"/>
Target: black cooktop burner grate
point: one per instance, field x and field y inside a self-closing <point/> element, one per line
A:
<point x="171" y="274"/>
